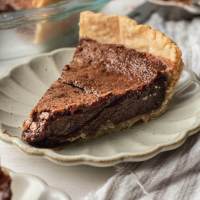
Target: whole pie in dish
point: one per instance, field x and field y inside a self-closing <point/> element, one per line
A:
<point x="121" y="73"/>
<point x="5" y="186"/>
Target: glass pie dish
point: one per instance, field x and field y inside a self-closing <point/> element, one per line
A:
<point x="32" y="31"/>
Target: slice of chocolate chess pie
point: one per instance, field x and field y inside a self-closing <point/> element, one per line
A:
<point x="121" y="73"/>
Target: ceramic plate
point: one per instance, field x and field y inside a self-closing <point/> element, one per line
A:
<point x="25" y="186"/>
<point x="22" y="87"/>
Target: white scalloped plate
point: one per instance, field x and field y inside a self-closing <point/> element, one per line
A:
<point x="29" y="187"/>
<point x="21" y="88"/>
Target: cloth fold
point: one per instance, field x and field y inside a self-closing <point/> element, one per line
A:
<point x="171" y="175"/>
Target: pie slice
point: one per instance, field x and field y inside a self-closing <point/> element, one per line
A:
<point x="5" y="186"/>
<point x="121" y="73"/>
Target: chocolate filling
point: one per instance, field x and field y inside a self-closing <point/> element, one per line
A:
<point x="104" y="83"/>
<point x="5" y="186"/>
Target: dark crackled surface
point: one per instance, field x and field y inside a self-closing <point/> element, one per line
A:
<point x="102" y="83"/>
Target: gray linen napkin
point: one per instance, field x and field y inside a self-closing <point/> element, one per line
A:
<point x="171" y="175"/>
